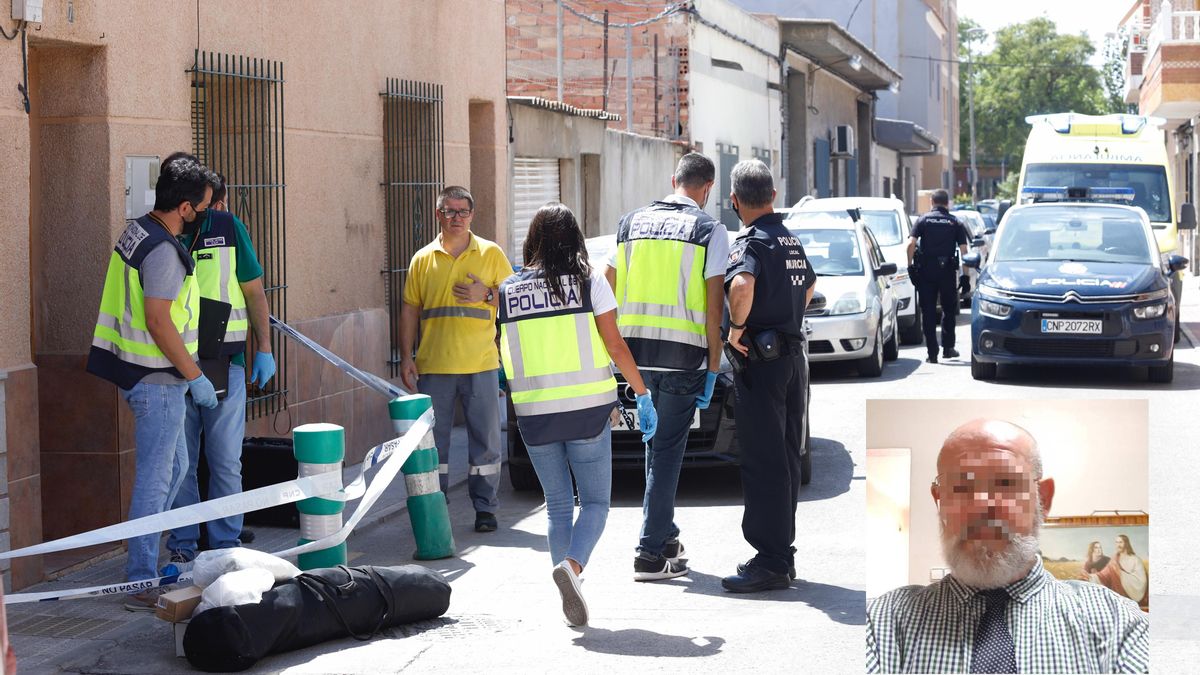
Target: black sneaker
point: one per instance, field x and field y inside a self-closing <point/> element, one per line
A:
<point x="485" y="522"/>
<point x="932" y="358"/>
<point x="246" y="536"/>
<point x="741" y="569"/>
<point x="950" y="353"/>
<point x="673" y="550"/>
<point x="181" y="555"/>
<point x="656" y="569"/>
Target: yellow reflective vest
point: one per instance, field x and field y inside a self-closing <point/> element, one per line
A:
<point x="123" y="350"/>
<point x="215" y="256"/>
<point x="557" y="366"/>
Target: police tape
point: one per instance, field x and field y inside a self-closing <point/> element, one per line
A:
<point x="389" y="456"/>
<point x="373" y="381"/>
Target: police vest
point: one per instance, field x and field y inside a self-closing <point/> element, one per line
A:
<point x="556" y="363"/>
<point x="215" y="255"/>
<point x="123" y="350"/>
<point x="661" y="294"/>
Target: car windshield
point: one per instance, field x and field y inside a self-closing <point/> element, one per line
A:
<point x="972" y="220"/>
<point x="1074" y="233"/>
<point x="1149" y="183"/>
<point x="831" y="252"/>
<point x="885" y="225"/>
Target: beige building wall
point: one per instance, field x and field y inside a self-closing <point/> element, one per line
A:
<point x="112" y="82"/>
<point x="1097" y="451"/>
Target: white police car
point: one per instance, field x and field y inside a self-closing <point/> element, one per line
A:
<point x="1074" y="277"/>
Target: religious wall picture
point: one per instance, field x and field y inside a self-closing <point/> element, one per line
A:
<point x="1111" y="550"/>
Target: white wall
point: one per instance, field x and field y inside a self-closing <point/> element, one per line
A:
<point x="634" y="171"/>
<point x="1096" y="451"/>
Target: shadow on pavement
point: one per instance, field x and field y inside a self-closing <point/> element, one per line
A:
<point x="843" y="605"/>
<point x="832" y="471"/>
<point x="846" y="371"/>
<point x="638" y="642"/>
<point x="1187" y="377"/>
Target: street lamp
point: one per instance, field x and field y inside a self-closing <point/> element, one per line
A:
<point x="974" y="178"/>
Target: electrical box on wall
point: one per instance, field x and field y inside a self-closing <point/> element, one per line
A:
<point x="141" y="175"/>
<point x="27" y="10"/>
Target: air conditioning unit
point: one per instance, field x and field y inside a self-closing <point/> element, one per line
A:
<point x="843" y="141"/>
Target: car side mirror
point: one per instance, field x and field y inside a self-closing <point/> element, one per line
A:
<point x="977" y="242"/>
<point x="885" y="270"/>
<point x="1005" y="205"/>
<point x="1187" y="217"/>
<point x="1177" y="263"/>
<point x="972" y="260"/>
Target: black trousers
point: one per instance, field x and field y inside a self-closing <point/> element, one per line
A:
<point x="770" y="415"/>
<point x="945" y="286"/>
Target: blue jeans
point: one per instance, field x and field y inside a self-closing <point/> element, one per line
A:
<point x="480" y="396"/>
<point x="590" y="459"/>
<point x="223" y="427"/>
<point x="161" y="461"/>
<point x="674" y="395"/>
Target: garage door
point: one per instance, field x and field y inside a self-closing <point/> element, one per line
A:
<point x="535" y="182"/>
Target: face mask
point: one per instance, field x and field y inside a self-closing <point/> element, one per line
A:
<point x="191" y="227"/>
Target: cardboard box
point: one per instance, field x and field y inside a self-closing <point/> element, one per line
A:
<point x="178" y="605"/>
<point x="180" y="628"/>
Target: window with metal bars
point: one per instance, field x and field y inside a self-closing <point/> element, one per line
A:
<point x="413" y="176"/>
<point x="237" y="130"/>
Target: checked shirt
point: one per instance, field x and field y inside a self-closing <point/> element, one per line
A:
<point x="1057" y="627"/>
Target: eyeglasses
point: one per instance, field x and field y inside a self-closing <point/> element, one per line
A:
<point x="461" y="213"/>
<point x="965" y="486"/>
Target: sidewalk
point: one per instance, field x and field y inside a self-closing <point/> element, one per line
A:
<point x="49" y="636"/>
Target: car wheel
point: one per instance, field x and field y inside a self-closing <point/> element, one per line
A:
<point x="981" y="370"/>
<point x="523" y="478"/>
<point x="891" y="348"/>
<point x="872" y="366"/>
<point x="912" y="335"/>
<point x="1178" y="325"/>
<point x="1164" y="373"/>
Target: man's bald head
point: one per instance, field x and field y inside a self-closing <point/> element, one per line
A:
<point x="983" y="435"/>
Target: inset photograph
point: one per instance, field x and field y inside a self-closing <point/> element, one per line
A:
<point x="1007" y="536"/>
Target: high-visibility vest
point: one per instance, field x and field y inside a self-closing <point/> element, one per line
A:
<point x="662" y="300"/>
<point x="215" y="255"/>
<point x="123" y="351"/>
<point x="557" y="366"/>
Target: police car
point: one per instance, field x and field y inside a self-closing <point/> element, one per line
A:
<point x="712" y="440"/>
<point x="1074" y="277"/>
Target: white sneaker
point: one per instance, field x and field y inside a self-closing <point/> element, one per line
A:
<point x="573" y="605"/>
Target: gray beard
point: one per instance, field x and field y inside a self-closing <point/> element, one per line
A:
<point x="976" y="566"/>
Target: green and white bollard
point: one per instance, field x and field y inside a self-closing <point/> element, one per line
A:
<point x="320" y="448"/>
<point x="426" y="504"/>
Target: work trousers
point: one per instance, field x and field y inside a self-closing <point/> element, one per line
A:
<point x="770" y="418"/>
<point x="944" y="287"/>
<point x="674" y="393"/>
<point x="480" y="396"/>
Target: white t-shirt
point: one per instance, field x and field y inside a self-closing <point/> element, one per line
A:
<point x="603" y="300"/>
<point x="716" y="254"/>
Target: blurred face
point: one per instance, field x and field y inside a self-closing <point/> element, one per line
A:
<point x="1097" y="550"/>
<point x="455" y="216"/>
<point x="1120" y="545"/>
<point x="988" y="506"/>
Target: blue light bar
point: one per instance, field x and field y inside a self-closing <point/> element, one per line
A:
<point x="1037" y="193"/>
<point x="1124" y="194"/>
<point x="1031" y="193"/>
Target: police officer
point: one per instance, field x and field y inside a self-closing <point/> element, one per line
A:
<point x="769" y="283"/>
<point x="934" y="271"/>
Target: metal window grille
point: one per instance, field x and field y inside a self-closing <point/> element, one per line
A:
<point x="237" y="129"/>
<point x="413" y="176"/>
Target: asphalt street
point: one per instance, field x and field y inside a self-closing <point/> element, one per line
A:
<point x="504" y="614"/>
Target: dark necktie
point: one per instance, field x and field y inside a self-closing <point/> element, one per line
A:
<point x="994" y="651"/>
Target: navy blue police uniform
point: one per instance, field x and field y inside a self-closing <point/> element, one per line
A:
<point x="770" y="394"/>
<point x="939" y="235"/>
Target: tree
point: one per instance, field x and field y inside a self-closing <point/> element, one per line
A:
<point x="1116" y="51"/>
<point x="1032" y="70"/>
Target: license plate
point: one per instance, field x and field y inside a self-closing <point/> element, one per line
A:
<point x="621" y="426"/>
<point x="1073" y="326"/>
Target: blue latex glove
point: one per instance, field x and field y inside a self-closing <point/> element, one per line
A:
<point x="264" y="368"/>
<point x="710" y="381"/>
<point x="202" y="392"/>
<point x="647" y="416"/>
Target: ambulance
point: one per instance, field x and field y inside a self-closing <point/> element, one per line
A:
<point x="1070" y="150"/>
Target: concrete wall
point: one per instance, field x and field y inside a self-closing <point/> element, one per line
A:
<point x="1096" y="451"/>
<point x="112" y="83"/>
<point x="635" y="170"/>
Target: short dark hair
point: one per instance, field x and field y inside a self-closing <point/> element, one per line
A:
<point x="181" y="179"/>
<point x="694" y="171"/>
<point x="752" y="183"/>
<point x="941" y="198"/>
<point x="455" y="192"/>
<point x="220" y="190"/>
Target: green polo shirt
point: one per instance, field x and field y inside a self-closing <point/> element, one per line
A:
<point x="248" y="267"/>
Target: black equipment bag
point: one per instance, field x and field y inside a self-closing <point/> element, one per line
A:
<point x="267" y="461"/>
<point x="317" y="606"/>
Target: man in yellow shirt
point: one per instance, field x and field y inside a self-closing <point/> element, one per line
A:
<point x="451" y="295"/>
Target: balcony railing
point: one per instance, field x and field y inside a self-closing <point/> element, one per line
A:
<point x="1174" y="26"/>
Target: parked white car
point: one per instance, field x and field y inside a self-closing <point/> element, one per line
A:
<point x="885" y="217"/>
<point x="853" y="311"/>
<point x="977" y="229"/>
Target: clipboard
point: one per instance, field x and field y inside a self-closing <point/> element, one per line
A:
<point x="214" y="318"/>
